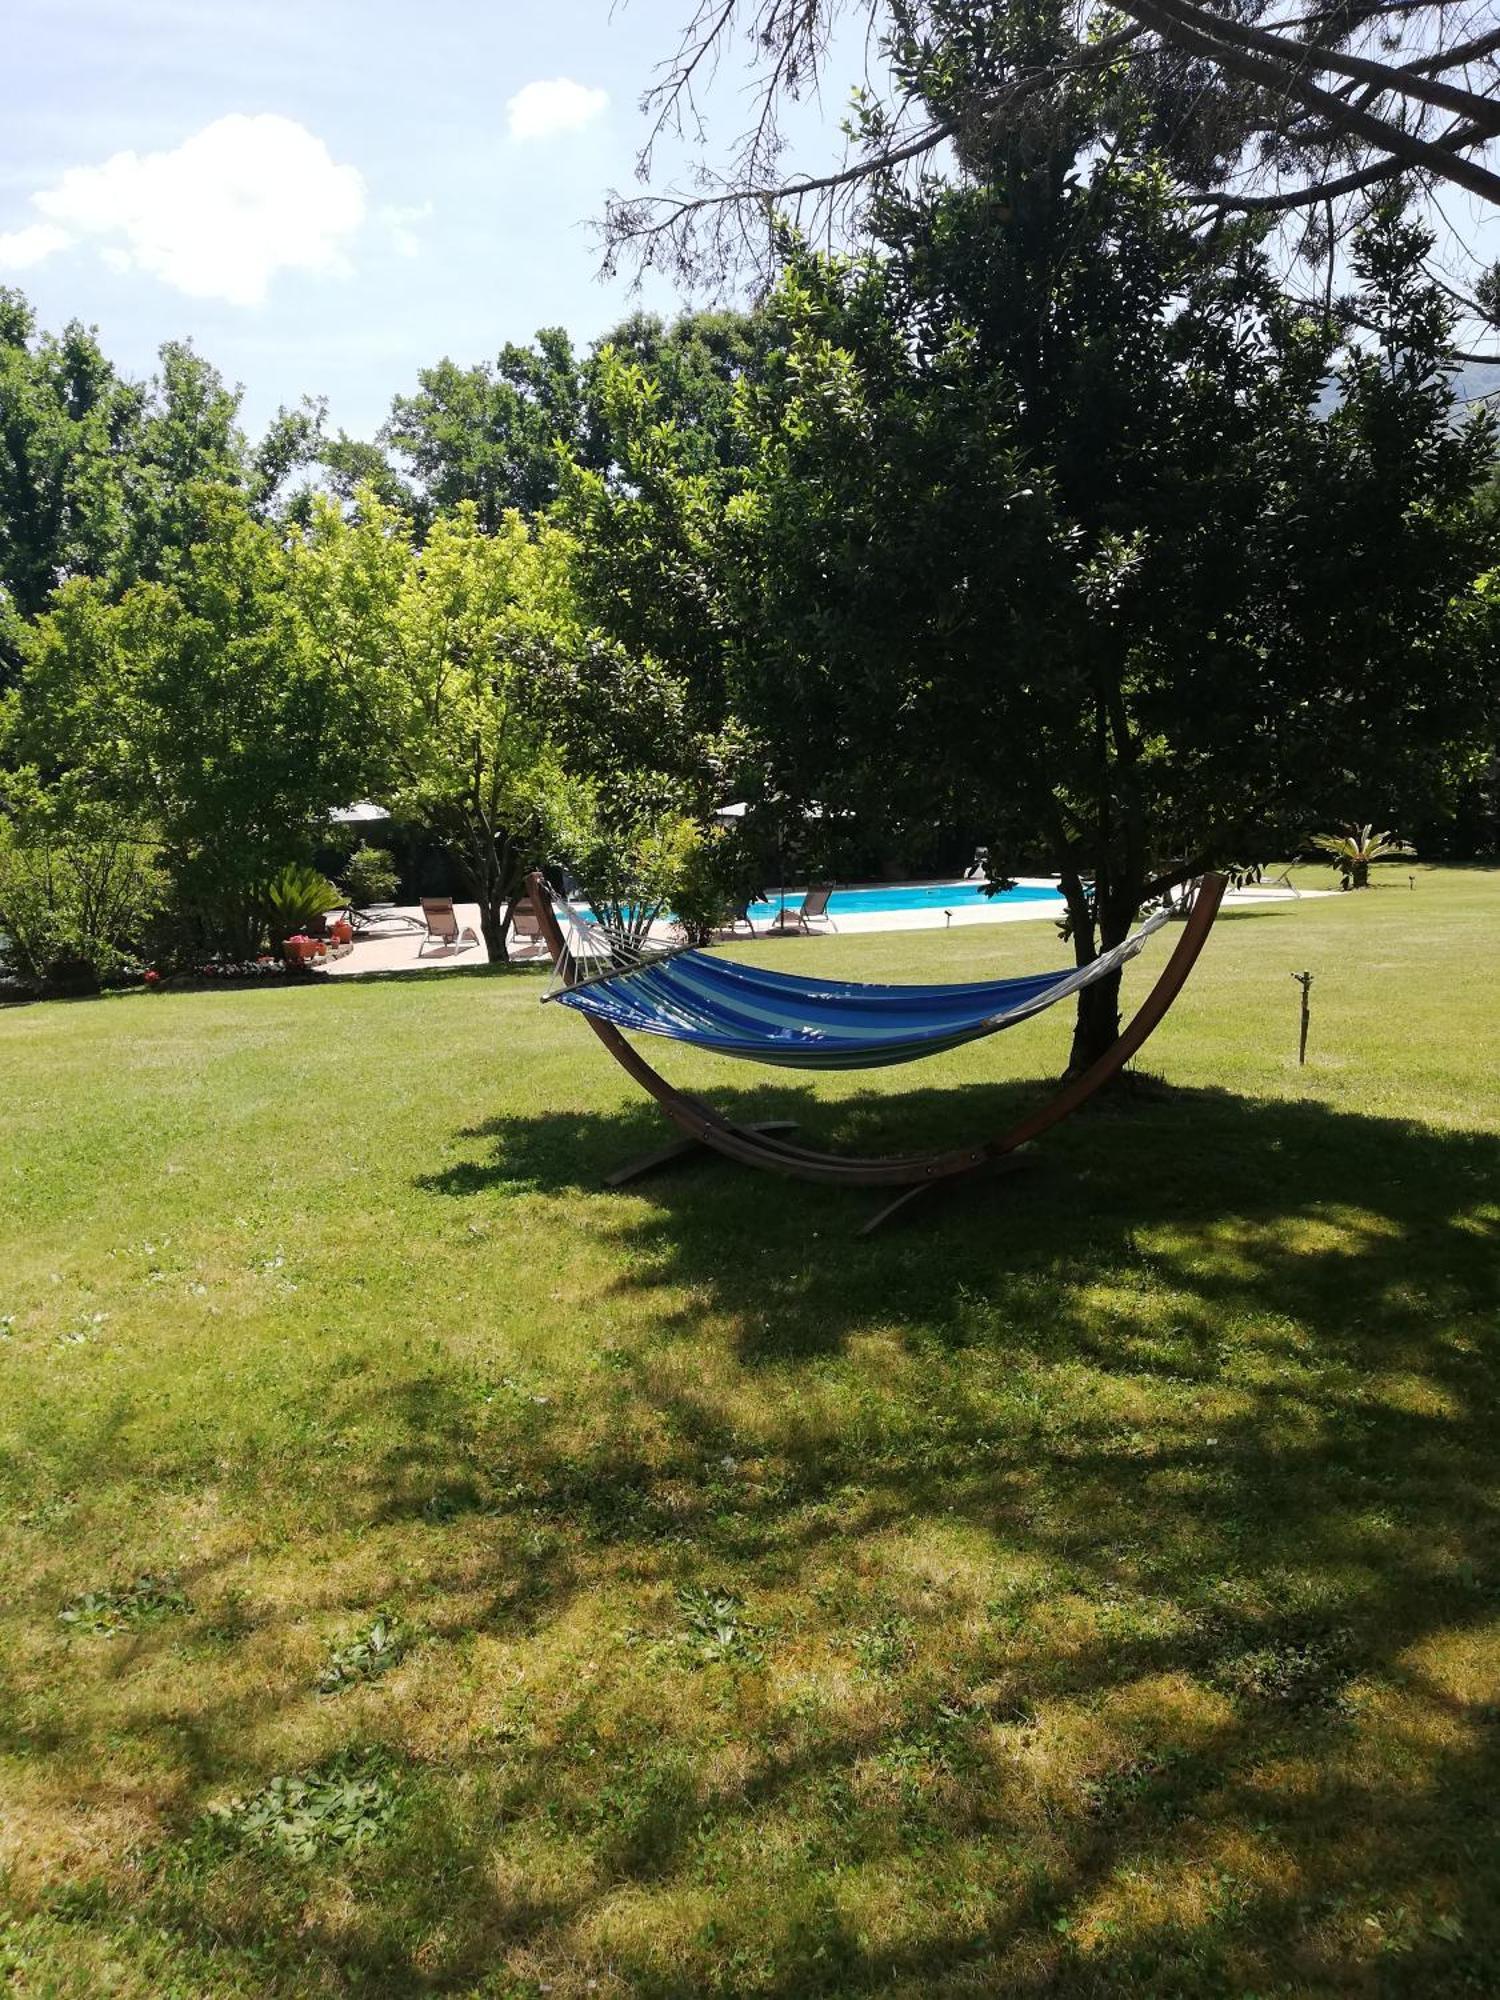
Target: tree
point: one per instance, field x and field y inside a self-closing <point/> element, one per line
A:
<point x="448" y="646"/>
<point x="488" y="435"/>
<point x="352" y="464"/>
<point x="499" y="434"/>
<point x="65" y="421"/>
<point x="642" y="529"/>
<point x="194" y="711"/>
<point x="1396" y="548"/>
<point x="95" y="470"/>
<point x="1290" y="108"/>
<point x="293" y="441"/>
<point x="1043" y="523"/>
<point x="695" y="364"/>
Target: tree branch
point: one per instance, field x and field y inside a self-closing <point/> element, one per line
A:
<point x="1174" y="19"/>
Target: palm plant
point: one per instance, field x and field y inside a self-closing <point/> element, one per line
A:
<point x="297" y="896"/>
<point x="1355" y="848"/>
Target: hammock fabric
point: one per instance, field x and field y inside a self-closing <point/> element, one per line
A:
<point x="799" y="1023"/>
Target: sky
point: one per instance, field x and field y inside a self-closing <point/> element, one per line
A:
<point x="328" y="195"/>
<point x="324" y="195"/>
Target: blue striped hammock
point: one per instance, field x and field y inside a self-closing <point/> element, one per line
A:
<point x="784" y="1018"/>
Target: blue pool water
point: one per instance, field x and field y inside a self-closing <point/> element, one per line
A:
<point x="886" y="896"/>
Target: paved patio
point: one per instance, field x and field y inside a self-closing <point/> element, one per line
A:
<point x="395" y="948"/>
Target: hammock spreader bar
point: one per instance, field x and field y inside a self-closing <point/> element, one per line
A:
<point x="906" y="1175"/>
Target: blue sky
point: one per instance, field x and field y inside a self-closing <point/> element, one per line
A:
<point x="327" y="195"/>
<point x="324" y="196"/>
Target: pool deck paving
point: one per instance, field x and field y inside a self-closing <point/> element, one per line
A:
<point x="401" y="950"/>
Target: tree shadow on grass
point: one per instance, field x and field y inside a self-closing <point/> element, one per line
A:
<point x="1321" y="1552"/>
<point x="1287" y="1205"/>
<point x="1115" y="1549"/>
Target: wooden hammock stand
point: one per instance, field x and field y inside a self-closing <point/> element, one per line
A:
<point x="913" y="1173"/>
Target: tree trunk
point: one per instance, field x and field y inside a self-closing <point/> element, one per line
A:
<point x="1359" y="874"/>
<point x="489" y="890"/>
<point x="1097" y="1026"/>
<point x="494" y="921"/>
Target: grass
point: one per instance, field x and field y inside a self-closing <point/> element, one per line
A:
<point x="425" y="1572"/>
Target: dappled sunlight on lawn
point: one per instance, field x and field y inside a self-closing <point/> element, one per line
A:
<point x="1091" y="1588"/>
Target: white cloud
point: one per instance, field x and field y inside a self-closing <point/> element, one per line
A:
<point x="21" y="248"/>
<point x="542" y="109"/>
<point x="401" y="223"/>
<point x="216" y="217"/>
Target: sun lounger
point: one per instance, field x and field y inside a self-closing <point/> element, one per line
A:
<point x="814" y="910"/>
<point x="442" y="925"/>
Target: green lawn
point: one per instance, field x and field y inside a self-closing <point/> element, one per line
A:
<point x="425" y="1572"/>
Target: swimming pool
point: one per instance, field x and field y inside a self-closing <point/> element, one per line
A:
<point x="881" y="898"/>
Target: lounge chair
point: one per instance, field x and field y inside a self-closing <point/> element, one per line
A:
<point x="442" y="925"/>
<point x="814" y="910"/>
<point x="525" y="924"/>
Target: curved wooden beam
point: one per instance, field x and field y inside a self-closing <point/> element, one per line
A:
<point x="763" y="1149"/>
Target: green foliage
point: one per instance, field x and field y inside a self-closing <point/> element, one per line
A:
<point x="96" y="471"/>
<point x="106" y="1613"/>
<point x="646" y="532"/>
<point x="631" y="850"/>
<point x="711" y="881"/>
<point x="1355" y="848"/>
<point x="80" y="892"/>
<point x="505" y="435"/>
<point x="202" y="705"/>
<point x="296" y="897"/>
<point x="488" y="437"/>
<point x="695" y="364"/>
<point x="365" y="1656"/>
<point x="448" y="647"/>
<point x="369" y="876"/>
<point x="63" y="488"/>
<point x="349" y="1801"/>
<point x="715" y="1630"/>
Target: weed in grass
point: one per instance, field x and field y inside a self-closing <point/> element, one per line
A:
<point x="451" y="1501"/>
<point x="365" y="1656"/>
<point x="347" y="1802"/>
<point x="107" y="1612"/>
<point x="715" y="1630"/>
<point x="1139" y="1783"/>
<point x="1299" y="1669"/>
<point x="884" y="1647"/>
<point x="229" y="1620"/>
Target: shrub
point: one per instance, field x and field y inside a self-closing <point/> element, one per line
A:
<point x="298" y="896"/>
<point x="637" y="854"/>
<point x="711" y="878"/>
<point x="370" y="876"/>
<point x="75" y="910"/>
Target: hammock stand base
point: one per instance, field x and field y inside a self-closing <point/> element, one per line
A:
<point x="681" y="1149"/>
<point x="762" y="1146"/>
